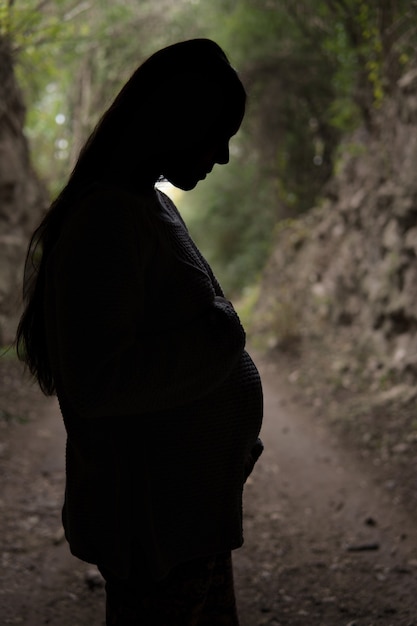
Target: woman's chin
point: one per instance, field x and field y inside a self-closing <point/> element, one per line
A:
<point x="186" y="184"/>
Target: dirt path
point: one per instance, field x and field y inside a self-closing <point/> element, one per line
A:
<point x="326" y="545"/>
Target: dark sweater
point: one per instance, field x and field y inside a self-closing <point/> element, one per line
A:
<point x="161" y="403"/>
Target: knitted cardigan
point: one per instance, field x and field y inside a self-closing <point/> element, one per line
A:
<point x="161" y="403"/>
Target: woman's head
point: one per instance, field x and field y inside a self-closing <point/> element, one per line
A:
<point x="174" y="117"/>
<point x="195" y="131"/>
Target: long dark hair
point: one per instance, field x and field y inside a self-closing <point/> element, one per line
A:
<point x="138" y="110"/>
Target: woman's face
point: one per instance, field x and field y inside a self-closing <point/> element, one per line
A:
<point x="191" y="163"/>
<point x="202" y="142"/>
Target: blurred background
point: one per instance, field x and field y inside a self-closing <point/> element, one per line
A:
<point x="312" y="231"/>
<point x="300" y="227"/>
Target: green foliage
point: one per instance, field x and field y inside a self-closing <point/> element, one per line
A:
<point x="379" y="37"/>
<point x="246" y="304"/>
<point x="36" y="37"/>
<point x="233" y="224"/>
<point x="41" y="42"/>
<point x="71" y="59"/>
<point x="313" y="71"/>
<point x="314" y="74"/>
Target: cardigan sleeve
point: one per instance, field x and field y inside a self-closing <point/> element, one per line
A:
<point x="109" y="361"/>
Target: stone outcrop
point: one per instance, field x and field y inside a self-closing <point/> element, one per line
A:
<point x="22" y="197"/>
<point x="344" y="276"/>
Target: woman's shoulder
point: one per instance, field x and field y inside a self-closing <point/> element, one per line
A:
<point x="167" y="210"/>
<point x="104" y="215"/>
<point x="103" y="205"/>
<point x="109" y="197"/>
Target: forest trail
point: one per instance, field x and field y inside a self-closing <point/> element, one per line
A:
<point x="325" y="543"/>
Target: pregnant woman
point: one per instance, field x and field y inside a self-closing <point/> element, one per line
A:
<point x="125" y="322"/>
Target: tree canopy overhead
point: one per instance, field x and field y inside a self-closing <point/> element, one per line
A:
<point x="314" y="71"/>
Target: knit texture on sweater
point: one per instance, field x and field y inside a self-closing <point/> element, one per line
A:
<point x="161" y="403"/>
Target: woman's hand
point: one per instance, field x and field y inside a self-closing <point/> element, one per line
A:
<point x="254" y="455"/>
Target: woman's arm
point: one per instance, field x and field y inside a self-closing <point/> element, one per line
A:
<point x="111" y="360"/>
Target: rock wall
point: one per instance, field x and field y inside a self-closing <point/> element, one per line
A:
<point x="344" y="277"/>
<point x="22" y="197"/>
